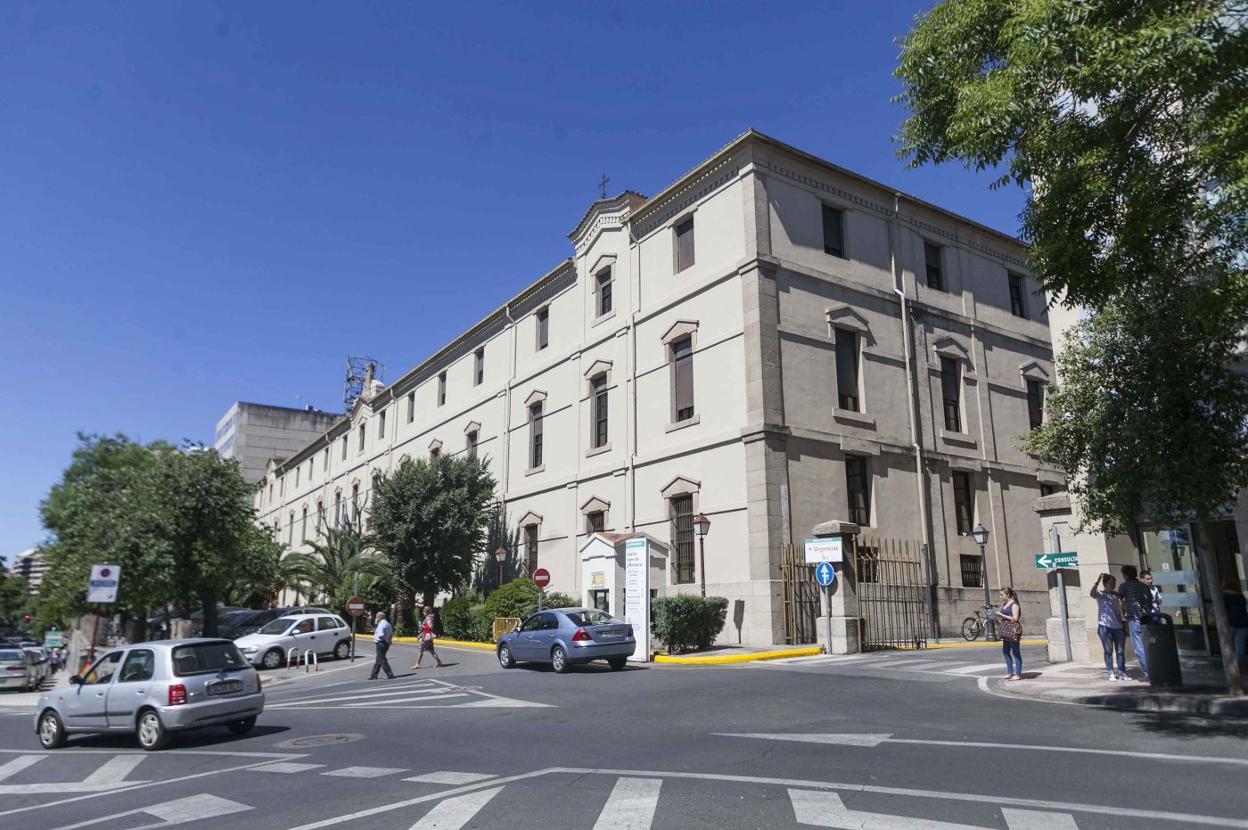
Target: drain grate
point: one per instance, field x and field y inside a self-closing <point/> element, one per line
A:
<point x="309" y="741"/>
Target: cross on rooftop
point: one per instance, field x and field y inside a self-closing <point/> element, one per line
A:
<point x="603" y="185"/>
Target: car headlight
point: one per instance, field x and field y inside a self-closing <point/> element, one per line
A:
<point x="251" y="649"/>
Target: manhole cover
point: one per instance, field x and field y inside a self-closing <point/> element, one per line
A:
<point x="309" y="741"/>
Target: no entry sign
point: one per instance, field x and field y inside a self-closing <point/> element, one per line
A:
<point x="355" y="606"/>
<point x="541" y="577"/>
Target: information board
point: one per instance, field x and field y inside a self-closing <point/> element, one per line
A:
<point x="102" y="586"/>
<point x="637" y="595"/>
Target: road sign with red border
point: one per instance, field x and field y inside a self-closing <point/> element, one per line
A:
<point x="541" y="577"/>
<point x="355" y="606"/>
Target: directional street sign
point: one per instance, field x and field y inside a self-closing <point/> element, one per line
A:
<point x="1049" y="561"/>
<point x="825" y="574"/>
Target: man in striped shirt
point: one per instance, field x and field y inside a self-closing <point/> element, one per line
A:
<point x="1137" y="602"/>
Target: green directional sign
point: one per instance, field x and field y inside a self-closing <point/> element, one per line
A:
<point x="1049" y="561"/>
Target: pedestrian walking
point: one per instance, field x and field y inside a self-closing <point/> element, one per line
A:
<point x="1137" y="606"/>
<point x="426" y="639"/>
<point x="55" y="659"/>
<point x="383" y="633"/>
<point x="1237" y="618"/>
<point x="1011" y="630"/>
<point x="1109" y="625"/>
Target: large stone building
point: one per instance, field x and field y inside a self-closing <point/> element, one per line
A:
<point x="736" y="346"/>
<point x="256" y="433"/>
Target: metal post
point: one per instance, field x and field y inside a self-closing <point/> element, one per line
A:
<point x="1055" y="543"/>
<point x="827" y="599"/>
<point x="702" y="561"/>
<point x="354" y="619"/>
<point x="95" y="628"/>
<point x="540" y="595"/>
<point x="990" y="630"/>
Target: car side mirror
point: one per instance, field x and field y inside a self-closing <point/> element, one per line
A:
<point x="75" y="680"/>
<point x="517" y="628"/>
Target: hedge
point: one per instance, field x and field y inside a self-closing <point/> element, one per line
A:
<point x="687" y="621"/>
<point x="456" y="619"/>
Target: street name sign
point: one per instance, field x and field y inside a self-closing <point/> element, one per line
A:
<point x="541" y="577"/>
<point x="824" y="574"/>
<point x="1050" y="561"/>
<point x="355" y="606"/>
<point x="824" y="550"/>
<point x="102" y="586"/>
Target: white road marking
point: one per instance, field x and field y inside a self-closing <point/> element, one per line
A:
<point x="847" y="739"/>
<point x="631" y="805"/>
<point x="364" y="772"/>
<point x="918" y="665"/>
<point x="364" y="704"/>
<point x="976" y="669"/>
<point x="178" y="811"/>
<point x="824" y="809"/>
<point x="449" y="777"/>
<point x="1033" y="820"/>
<point x="287" y="767"/>
<point x="114" y="770"/>
<point x="293" y="704"/>
<point x="10" y="768"/>
<point x="454" y="813"/>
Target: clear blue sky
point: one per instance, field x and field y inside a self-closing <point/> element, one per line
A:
<point x="202" y="203"/>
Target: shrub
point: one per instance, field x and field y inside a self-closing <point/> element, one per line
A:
<point x="517" y="598"/>
<point x="554" y="599"/>
<point x="456" y="619"/>
<point x="686" y="621"/>
<point x="482" y="624"/>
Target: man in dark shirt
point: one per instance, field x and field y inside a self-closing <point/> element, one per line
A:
<point x="1137" y="602"/>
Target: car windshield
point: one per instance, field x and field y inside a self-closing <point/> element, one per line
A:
<point x="278" y="626"/>
<point x="10" y="656"/>
<point x="590" y="616"/>
<point x="205" y="658"/>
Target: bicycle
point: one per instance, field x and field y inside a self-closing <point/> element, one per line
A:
<point x="974" y="626"/>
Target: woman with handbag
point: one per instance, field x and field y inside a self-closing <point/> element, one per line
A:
<point x="426" y="640"/>
<point x="1011" y="628"/>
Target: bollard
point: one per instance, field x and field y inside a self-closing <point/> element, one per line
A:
<point x="310" y="652"/>
<point x="292" y="658"/>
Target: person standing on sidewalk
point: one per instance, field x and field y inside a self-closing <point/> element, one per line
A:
<point x="1237" y="618"/>
<point x="1137" y="604"/>
<point x="1011" y="630"/>
<point x="1109" y="625"/>
<point x="426" y="640"/>
<point x="383" y="633"/>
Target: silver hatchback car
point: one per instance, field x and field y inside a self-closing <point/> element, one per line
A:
<point x="153" y="690"/>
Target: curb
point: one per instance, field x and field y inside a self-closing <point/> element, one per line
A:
<point x="934" y="646"/>
<point x="440" y="641"/>
<point x="737" y="658"/>
<point x="1221" y="706"/>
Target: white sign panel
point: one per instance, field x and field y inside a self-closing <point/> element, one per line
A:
<point x="637" y="595"/>
<point x="824" y="550"/>
<point x="102" y="587"/>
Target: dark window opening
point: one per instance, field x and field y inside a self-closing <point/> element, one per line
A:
<point x="935" y="273"/>
<point x="682" y="379"/>
<point x="963" y="504"/>
<point x="847" y="370"/>
<point x="682" y="537"/>
<point x="684" y="244"/>
<point x="833" y="231"/>
<point x="972" y="571"/>
<point x="951" y="393"/>
<point x="858" y="488"/>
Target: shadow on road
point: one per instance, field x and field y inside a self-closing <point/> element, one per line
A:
<point x="1186" y="726"/>
<point x="208" y="737"/>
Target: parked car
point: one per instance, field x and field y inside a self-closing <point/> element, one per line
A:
<point x="325" y="634"/>
<point x="17" y="670"/>
<point x="564" y="637"/>
<point x="154" y="690"/>
<point x="40" y="666"/>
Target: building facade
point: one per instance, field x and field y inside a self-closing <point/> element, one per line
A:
<point x="771" y="341"/>
<point x="30" y="566"/>
<point x="256" y="433"/>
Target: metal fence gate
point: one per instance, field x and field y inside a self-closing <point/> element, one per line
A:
<point x="801" y="596"/>
<point x="892" y="594"/>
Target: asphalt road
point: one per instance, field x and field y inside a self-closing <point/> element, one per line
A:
<point x="881" y="746"/>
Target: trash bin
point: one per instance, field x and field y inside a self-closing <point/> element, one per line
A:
<point x="1161" y="652"/>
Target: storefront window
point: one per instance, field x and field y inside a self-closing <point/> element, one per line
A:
<point x="1169" y="554"/>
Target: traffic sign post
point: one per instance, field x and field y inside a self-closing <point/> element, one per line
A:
<point x="1057" y="560"/>
<point x="825" y="575"/>
<point x="541" y="578"/>
<point x="102" y="590"/>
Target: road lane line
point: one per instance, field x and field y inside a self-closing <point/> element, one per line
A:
<point x="631" y="805"/>
<point x="449" y="777"/>
<point x="10" y="768"/>
<point x="973" y="669"/>
<point x="290" y="704"/>
<point x="379" y="703"/>
<point x="287" y="767"/>
<point x="178" y="811"/>
<point x="823" y="809"/>
<point x="365" y="772"/>
<point x="454" y="813"/>
<point x="114" y="770"/>
<point x="1033" y="820"/>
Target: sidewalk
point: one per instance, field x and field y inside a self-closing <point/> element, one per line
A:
<point x="1202" y="693"/>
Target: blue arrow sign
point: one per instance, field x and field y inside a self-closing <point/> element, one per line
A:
<point x="824" y="574"/>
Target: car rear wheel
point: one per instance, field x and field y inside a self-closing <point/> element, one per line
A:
<point x="617" y="663"/>
<point x="343" y="650"/>
<point x="505" y="659"/>
<point x="272" y="659"/>
<point x="242" y="727"/>
<point x="51" y="730"/>
<point x="558" y="660"/>
<point x="151" y="733"/>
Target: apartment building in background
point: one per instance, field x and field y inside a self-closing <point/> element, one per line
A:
<point x="30" y="566"/>
<point x="735" y="346"/>
<point x="255" y="433"/>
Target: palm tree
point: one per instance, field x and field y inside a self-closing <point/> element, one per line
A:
<point x="331" y="566"/>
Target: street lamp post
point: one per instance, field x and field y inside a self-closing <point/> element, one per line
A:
<point x="701" y="524"/>
<point x="980" y="535"/>
<point x="500" y="556"/>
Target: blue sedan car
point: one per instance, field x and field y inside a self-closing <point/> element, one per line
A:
<point x="566" y="636"/>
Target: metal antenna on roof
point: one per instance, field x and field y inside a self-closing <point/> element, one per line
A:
<point x="603" y="185"/>
<point x="360" y="372"/>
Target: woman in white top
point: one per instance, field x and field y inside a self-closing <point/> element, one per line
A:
<point x="1109" y="625"/>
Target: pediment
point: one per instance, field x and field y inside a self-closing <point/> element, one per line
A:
<point x="435" y="445"/>
<point x="595" y="504"/>
<point x="679" y="329"/>
<point x="1032" y="370"/>
<point x="680" y="486"/>
<point x="536" y="396"/>
<point x="846" y="317"/>
<point x="604" y="261"/>
<point x="530" y="518"/>
<point x="950" y="347"/>
<point x="598" y="367"/>
<point x="472" y="426"/>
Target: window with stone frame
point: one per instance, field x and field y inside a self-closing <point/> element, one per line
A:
<point x="604" y="283"/>
<point x="599" y="434"/>
<point x="858" y="489"/>
<point x="833" y="231"/>
<point x="847" y="363"/>
<point x="360" y="431"/>
<point x="595" y="521"/>
<point x="441" y="388"/>
<point x="338" y="509"/>
<point x="1018" y="296"/>
<point x="471" y="443"/>
<point x="682" y="379"/>
<point x="972" y="571"/>
<point x="963" y="504"/>
<point x="1035" y="403"/>
<point x="303" y="524"/>
<point x="530" y="548"/>
<point x="478" y="366"/>
<point x="535" y="435"/>
<point x="683" y="237"/>
<point x="543" y="327"/>
<point x="951" y="393"/>
<point x="355" y="504"/>
<point x="381" y="424"/>
<point x="344" y="448"/>
<point x="932" y="260"/>
<point x="411" y="406"/>
<point x="681" y="511"/>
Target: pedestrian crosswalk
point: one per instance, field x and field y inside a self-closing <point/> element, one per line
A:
<point x="943" y="667"/>
<point x="401" y="694"/>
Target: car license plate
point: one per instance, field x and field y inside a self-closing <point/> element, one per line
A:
<point x="612" y="634"/>
<point x="225" y="687"/>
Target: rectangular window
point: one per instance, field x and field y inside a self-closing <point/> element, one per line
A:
<point x="682" y="379"/>
<point x="935" y="274"/>
<point x="298" y="470"/>
<point x="682" y="537"/>
<point x="972" y="572"/>
<point x="472" y="444"/>
<point x="325" y="461"/>
<point x="604" y="285"/>
<point x="337" y="509"/>
<point x="684" y="244"/>
<point x="1018" y="299"/>
<point x="963" y="504"/>
<point x="355" y="503"/>
<point x="847" y="370"/>
<point x="344" y="448"/>
<point x="303" y="524"/>
<point x="441" y="388"/>
<point x="543" y="327"/>
<point x="1047" y="490"/>
<point x="411" y="407"/>
<point x="361" y="434"/>
<point x="311" y="468"/>
<point x="600" y="411"/>
<point x="320" y="519"/>
<point x="478" y="366"/>
<point x="951" y="393"/>
<point x="290" y="532"/>
<point x="833" y="231"/>
<point x="1035" y="403"/>
<point x="595" y="521"/>
<point x="535" y="436"/>
<point x="858" y="488"/>
<point x="381" y="424"/>
<point x="530" y="548"/>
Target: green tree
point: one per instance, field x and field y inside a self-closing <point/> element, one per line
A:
<point x="1128" y="124"/>
<point x="260" y="575"/>
<point x="430" y="519"/>
<point x="499" y="534"/>
<point x="15" y="600"/>
<point x="328" y="571"/>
